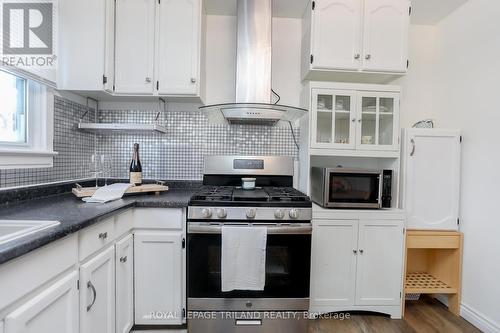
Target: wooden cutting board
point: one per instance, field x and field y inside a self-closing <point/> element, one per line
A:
<point x="82" y="192"/>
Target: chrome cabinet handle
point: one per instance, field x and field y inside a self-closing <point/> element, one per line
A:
<point x="94" y="295"/>
<point x="361" y="251"/>
<point x="193" y="80"/>
<point x="355" y="251"/>
<point x="148" y="80"/>
<point x="413" y="147"/>
<point x="123" y="259"/>
<point x="368" y="56"/>
<point x="357" y="56"/>
<point x="103" y="235"/>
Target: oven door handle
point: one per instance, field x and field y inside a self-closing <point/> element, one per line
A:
<point x="206" y="228"/>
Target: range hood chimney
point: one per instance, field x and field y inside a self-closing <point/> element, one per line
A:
<point x="253" y="103"/>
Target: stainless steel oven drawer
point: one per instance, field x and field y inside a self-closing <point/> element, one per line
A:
<point x="247" y="322"/>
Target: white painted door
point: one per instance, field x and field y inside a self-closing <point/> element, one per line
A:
<point x="178" y="47"/>
<point x="158" y="278"/>
<point x="134" y="46"/>
<point x="333" y="263"/>
<point x="55" y="309"/>
<point x="336" y="41"/>
<point x="97" y="293"/>
<point x="432" y="178"/>
<point x="380" y="262"/>
<point x="333" y="119"/>
<point x="377" y="121"/>
<point x="124" y="261"/>
<point x="109" y="47"/>
<point x="385" y="35"/>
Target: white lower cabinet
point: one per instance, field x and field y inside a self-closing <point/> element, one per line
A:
<point x="124" y="261"/>
<point x="158" y="278"/>
<point x="97" y="293"/>
<point x="357" y="264"/>
<point x="55" y="309"/>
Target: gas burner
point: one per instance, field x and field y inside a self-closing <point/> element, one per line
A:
<point x="285" y="194"/>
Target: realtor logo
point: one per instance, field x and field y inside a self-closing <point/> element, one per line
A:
<point x="28" y="31"/>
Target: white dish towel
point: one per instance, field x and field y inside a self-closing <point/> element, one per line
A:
<point x="243" y="263"/>
<point x="108" y="193"/>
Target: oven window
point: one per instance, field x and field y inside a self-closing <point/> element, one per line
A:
<point x="287" y="267"/>
<point x="354" y="188"/>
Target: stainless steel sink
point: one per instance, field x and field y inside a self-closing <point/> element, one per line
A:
<point x="14" y="229"/>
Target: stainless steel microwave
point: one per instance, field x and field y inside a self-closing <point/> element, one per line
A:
<point x="351" y="188"/>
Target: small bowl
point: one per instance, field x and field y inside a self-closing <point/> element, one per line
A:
<point x="248" y="183"/>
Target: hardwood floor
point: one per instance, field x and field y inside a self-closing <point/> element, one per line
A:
<point x="426" y="315"/>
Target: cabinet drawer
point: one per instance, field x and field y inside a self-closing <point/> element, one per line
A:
<point x="158" y="218"/>
<point x="96" y="237"/>
<point x="124" y="222"/>
<point x="432" y="241"/>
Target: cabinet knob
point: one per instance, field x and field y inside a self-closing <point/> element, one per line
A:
<point x="123" y="259"/>
<point x="368" y="56"/>
<point x="361" y="251"/>
<point x="360" y="120"/>
<point x="148" y="80"/>
<point x="353" y="120"/>
<point x="103" y="235"/>
<point x="355" y="251"/>
<point x="193" y="80"/>
<point x="357" y="56"/>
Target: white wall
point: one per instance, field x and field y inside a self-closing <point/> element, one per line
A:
<point x="466" y="83"/>
<point x="221" y="59"/>
<point x="416" y="87"/>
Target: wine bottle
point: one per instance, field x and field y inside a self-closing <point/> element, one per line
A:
<point x="136" y="167"/>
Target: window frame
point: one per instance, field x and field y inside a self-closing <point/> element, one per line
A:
<point x="37" y="151"/>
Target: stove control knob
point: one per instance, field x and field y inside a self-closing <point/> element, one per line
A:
<point x="206" y="213"/>
<point x="279" y="214"/>
<point x="222" y="213"/>
<point x="251" y="213"/>
<point x="294" y="214"/>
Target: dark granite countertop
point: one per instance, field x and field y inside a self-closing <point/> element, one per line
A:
<point x="73" y="215"/>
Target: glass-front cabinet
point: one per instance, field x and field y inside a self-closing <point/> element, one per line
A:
<point x="347" y="119"/>
<point x="333" y="123"/>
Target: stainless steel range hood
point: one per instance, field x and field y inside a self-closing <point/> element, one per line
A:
<point x="253" y="71"/>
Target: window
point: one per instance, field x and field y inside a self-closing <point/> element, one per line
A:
<point x="26" y="122"/>
<point x="13" y="120"/>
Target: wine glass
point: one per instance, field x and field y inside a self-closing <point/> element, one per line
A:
<point x="107" y="166"/>
<point x="95" y="167"/>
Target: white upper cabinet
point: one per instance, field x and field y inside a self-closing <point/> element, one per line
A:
<point x="431" y="178"/>
<point x="353" y="117"/>
<point x="134" y="46"/>
<point x="337" y="34"/>
<point x="342" y="37"/>
<point x="178" y="47"/>
<point x="385" y="35"/>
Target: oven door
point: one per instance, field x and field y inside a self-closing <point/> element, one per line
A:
<point x="288" y="258"/>
<point x="353" y="189"/>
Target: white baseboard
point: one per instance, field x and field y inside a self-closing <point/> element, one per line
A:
<point x="477" y="319"/>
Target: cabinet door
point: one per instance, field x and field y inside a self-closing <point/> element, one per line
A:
<point x="109" y="47"/>
<point x="333" y="119"/>
<point x="336" y="33"/>
<point x="385" y="35"/>
<point x="380" y="262"/>
<point x="432" y="179"/>
<point x="134" y="46"/>
<point x="124" y="261"/>
<point x="97" y="293"/>
<point x="158" y="263"/>
<point x="178" y="47"/>
<point x="55" y="309"/>
<point x="378" y="121"/>
<point x="333" y="266"/>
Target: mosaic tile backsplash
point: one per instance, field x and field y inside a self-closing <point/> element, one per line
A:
<point x="176" y="155"/>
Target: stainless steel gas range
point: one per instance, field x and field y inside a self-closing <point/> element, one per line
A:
<point x="284" y="211"/>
